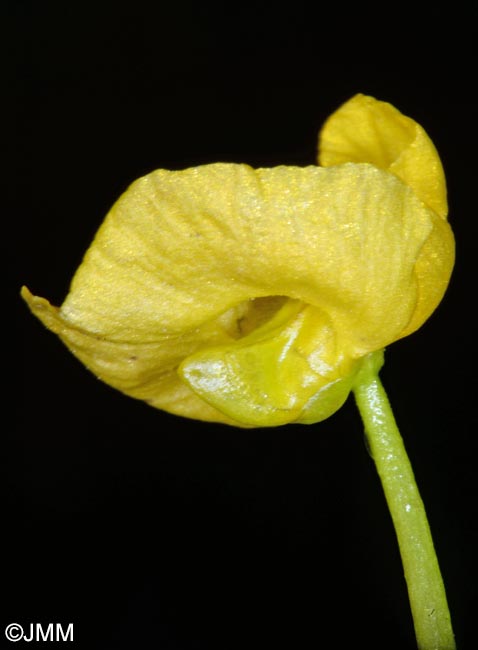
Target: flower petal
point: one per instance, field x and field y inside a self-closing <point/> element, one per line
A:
<point x="367" y="130"/>
<point x="181" y="248"/>
<point x="187" y="264"/>
<point x="274" y="375"/>
<point x="146" y="371"/>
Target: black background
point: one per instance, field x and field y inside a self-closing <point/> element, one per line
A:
<point x="150" y="531"/>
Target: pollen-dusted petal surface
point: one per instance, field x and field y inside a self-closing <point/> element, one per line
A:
<point x="367" y="130"/>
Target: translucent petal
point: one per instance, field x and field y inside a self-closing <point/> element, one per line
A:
<point x="367" y="130"/>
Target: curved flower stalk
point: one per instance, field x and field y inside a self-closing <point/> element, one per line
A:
<point x="251" y="297"/>
<point x="263" y="297"/>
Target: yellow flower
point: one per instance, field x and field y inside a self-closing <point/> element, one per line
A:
<point x="250" y="297"/>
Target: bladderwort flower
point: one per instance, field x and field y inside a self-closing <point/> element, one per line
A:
<point x="251" y="297"/>
<point x="261" y="297"/>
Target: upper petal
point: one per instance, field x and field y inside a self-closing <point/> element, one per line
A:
<point x="181" y="248"/>
<point x="367" y="130"/>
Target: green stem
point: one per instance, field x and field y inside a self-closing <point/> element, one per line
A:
<point x="425" y="585"/>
